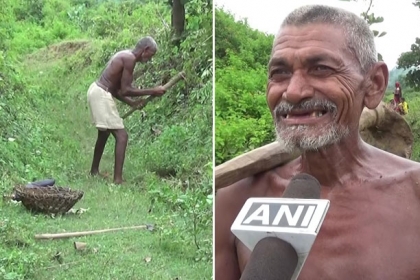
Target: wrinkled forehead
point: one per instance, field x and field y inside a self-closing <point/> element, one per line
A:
<point x="317" y="38"/>
<point x="316" y="34"/>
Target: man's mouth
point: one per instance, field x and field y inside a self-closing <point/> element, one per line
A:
<point x="304" y="114"/>
<point x="309" y="112"/>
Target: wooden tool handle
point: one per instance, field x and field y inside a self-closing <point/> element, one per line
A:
<point x="167" y="86"/>
<point x="174" y="80"/>
<point x="250" y="163"/>
<point x="83" y="233"/>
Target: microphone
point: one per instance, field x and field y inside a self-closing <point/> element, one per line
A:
<point x="280" y="231"/>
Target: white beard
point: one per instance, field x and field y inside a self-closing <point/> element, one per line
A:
<point x="308" y="137"/>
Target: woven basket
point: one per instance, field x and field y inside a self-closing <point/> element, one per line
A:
<point x="48" y="200"/>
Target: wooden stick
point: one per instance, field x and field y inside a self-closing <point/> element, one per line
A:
<point x="61" y="265"/>
<point x="251" y="163"/>
<point x="83" y="233"/>
<point x="168" y="85"/>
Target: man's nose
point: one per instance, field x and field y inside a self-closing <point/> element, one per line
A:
<point x="298" y="88"/>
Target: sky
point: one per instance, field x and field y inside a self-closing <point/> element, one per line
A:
<point x="401" y="19"/>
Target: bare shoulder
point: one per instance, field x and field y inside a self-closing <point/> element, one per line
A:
<point x="397" y="168"/>
<point x="230" y="200"/>
<point x="125" y="54"/>
<point x="124" y="57"/>
<point x="393" y="164"/>
<point x="228" y="203"/>
<point x="259" y="185"/>
<point x="253" y="186"/>
<point x="411" y="172"/>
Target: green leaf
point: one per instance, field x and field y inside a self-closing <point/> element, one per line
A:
<point x="379" y="19"/>
<point x="382" y="34"/>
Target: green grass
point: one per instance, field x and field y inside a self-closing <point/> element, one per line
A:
<point x="114" y="255"/>
<point x="59" y="129"/>
<point x="413" y="118"/>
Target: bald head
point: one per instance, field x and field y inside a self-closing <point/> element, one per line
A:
<point x="358" y="37"/>
<point x="147" y="43"/>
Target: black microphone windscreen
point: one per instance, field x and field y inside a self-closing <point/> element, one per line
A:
<point x="271" y="259"/>
<point x="303" y="186"/>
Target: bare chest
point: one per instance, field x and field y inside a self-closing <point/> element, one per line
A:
<point x="363" y="241"/>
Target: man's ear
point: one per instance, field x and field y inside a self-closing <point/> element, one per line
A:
<point x="377" y="82"/>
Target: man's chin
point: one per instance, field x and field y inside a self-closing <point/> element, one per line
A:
<point x="306" y="145"/>
<point x="309" y="141"/>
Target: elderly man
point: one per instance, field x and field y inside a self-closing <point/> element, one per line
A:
<point x="323" y="71"/>
<point x="115" y="82"/>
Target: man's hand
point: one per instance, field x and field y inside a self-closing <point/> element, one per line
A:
<point x="159" y="91"/>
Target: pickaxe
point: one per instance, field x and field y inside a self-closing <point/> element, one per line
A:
<point x="168" y="85"/>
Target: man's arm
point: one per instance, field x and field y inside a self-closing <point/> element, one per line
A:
<point x="127" y="100"/>
<point x="226" y="209"/>
<point x="127" y="78"/>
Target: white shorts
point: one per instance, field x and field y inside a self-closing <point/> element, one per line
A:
<point x="103" y="109"/>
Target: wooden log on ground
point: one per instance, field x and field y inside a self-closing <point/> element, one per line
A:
<point x="381" y="127"/>
<point x="168" y="85"/>
<point x="83" y="233"/>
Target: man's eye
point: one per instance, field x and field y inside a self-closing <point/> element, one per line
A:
<point x="278" y="74"/>
<point x="321" y="68"/>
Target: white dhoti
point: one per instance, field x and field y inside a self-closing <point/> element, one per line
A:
<point x="103" y="109"/>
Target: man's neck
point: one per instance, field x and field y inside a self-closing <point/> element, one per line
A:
<point x="332" y="165"/>
<point x="136" y="53"/>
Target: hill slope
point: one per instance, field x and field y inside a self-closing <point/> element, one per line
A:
<point x="46" y="132"/>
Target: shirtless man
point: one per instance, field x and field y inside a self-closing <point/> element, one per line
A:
<point x="115" y="82"/>
<point x="323" y="71"/>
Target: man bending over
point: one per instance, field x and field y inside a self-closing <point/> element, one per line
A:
<point x="115" y="83"/>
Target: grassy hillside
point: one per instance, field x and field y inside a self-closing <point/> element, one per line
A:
<point x="52" y="54"/>
<point x="242" y="120"/>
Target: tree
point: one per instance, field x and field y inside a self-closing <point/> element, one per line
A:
<point x="371" y="19"/>
<point x="179" y="18"/>
<point x="411" y="60"/>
